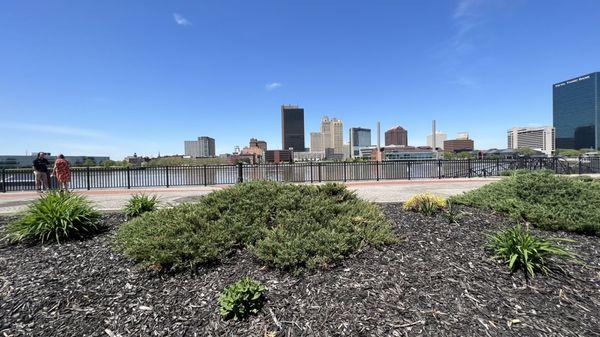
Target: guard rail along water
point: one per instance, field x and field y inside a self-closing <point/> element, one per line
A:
<point x="167" y="176"/>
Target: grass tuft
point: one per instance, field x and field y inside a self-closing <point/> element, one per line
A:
<point x="424" y="203"/>
<point x="54" y="217"/>
<point x="139" y="204"/>
<point x="520" y="250"/>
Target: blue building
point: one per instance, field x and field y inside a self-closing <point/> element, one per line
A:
<point x="359" y="138"/>
<point x="576" y="108"/>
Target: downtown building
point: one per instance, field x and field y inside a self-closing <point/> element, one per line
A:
<point x="536" y="138"/>
<point x="440" y="137"/>
<point x="576" y="109"/>
<point x="461" y="143"/>
<point x="359" y="138"/>
<point x="330" y="136"/>
<point x="396" y="136"/>
<point x="292" y="128"/>
<point x="204" y="147"/>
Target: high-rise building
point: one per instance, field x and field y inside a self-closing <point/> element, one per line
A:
<point x="201" y="148"/>
<point x="536" y="138"/>
<point x="316" y="142"/>
<point x="331" y="136"/>
<point x="359" y="137"/>
<point x="396" y="136"/>
<point x="261" y="144"/>
<point x="292" y="128"/>
<point x="576" y="112"/>
<point x="440" y="137"/>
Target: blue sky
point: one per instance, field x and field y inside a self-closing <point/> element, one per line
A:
<point x="117" y="77"/>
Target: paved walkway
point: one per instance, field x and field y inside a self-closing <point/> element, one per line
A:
<point x="377" y="191"/>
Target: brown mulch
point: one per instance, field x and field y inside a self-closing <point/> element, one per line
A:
<point x="437" y="281"/>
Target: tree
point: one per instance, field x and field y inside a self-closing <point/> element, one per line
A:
<point x="526" y="151"/>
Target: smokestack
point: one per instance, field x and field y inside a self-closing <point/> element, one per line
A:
<point x="433" y="138"/>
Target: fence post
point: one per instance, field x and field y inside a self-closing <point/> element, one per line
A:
<point x="167" y="175"/>
<point x="439" y="169"/>
<point x="205" y="179"/>
<point x="87" y="173"/>
<point x="128" y="179"/>
<point x="311" y="171"/>
<point x="377" y="169"/>
<point x="469" y="166"/>
<point x="320" y="171"/>
<point x="3" y="180"/>
<point x="240" y="170"/>
<point x="344" y="166"/>
<point x="409" y="162"/>
<point x="497" y="166"/>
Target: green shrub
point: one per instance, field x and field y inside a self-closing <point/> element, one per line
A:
<point x="241" y="299"/>
<point x="287" y="226"/>
<point x="139" y="204"/>
<point x="55" y="216"/>
<point x="521" y="250"/>
<point x="425" y="203"/>
<point x="547" y="200"/>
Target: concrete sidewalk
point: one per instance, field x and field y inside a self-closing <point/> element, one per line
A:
<point x="376" y="191"/>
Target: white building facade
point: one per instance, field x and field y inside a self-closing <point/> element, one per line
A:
<point x="536" y="138"/>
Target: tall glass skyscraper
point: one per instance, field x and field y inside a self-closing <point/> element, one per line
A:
<point x="359" y="137"/>
<point x="576" y="109"/>
<point x="292" y="128"/>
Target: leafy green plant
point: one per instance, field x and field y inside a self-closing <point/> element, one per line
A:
<point x="425" y="203"/>
<point x="518" y="248"/>
<point x="291" y="227"/>
<point x="55" y="216"/>
<point x="139" y="204"/>
<point x="452" y="213"/>
<point x="241" y="299"/>
<point x="547" y="200"/>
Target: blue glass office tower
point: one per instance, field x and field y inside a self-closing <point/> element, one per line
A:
<point x="576" y="109"/>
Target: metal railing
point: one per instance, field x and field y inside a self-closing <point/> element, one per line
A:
<point x="168" y="176"/>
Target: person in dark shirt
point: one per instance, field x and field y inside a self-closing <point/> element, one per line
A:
<point x="40" y="170"/>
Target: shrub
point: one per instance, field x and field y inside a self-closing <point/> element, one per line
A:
<point x="425" y="203"/>
<point x="56" y="216"/>
<point x="521" y="250"/>
<point x="241" y="299"/>
<point x="139" y="204"/>
<point x="287" y="226"/>
<point x="547" y="200"/>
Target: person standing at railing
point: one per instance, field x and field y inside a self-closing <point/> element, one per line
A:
<point x="40" y="170"/>
<point x="62" y="172"/>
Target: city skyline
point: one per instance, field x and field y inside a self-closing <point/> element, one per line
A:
<point x="133" y="78"/>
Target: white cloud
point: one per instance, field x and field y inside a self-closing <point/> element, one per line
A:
<point x="273" y="86"/>
<point x="180" y="20"/>
<point x="54" y="129"/>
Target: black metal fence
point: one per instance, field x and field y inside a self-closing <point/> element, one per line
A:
<point x="167" y="176"/>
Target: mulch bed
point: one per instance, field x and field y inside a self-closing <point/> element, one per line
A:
<point x="437" y="281"/>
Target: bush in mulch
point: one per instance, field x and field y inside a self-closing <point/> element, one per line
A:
<point x="55" y="217"/>
<point x="290" y="227"/>
<point x="547" y="200"/>
<point x="521" y="250"/>
<point x="139" y="204"/>
<point x="241" y="299"/>
<point x="425" y="203"/>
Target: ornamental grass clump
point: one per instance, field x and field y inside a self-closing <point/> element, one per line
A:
<point x="546" y="200"/>
<point x="521" y="250"/>
<point x="55" y="217"/>
<point x="242" y="298"/>
<point x="139" y="204"/>
<point x="290" y="227"/>
<point x="425" y="203"/>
